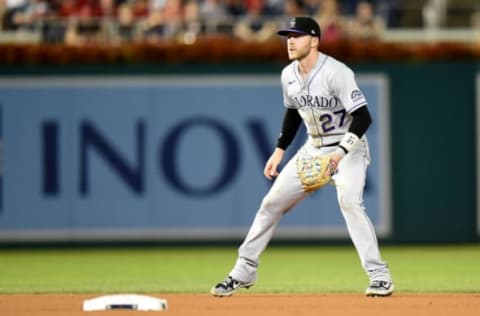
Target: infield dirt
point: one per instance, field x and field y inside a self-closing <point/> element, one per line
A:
<point x="256" y="304"/>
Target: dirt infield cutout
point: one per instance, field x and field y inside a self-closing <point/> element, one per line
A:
<point x="256" y="304"/>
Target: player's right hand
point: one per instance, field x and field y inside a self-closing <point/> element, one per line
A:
<point x="272" y="164"/>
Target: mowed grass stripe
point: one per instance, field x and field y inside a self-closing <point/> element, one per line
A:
<point x="292" y="269"/>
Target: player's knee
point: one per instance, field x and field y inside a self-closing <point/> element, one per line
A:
<point x="270" y="205"/>
<point x="350" y="205"/>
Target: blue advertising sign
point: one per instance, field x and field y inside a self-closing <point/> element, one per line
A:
<point x="109" y="158"/>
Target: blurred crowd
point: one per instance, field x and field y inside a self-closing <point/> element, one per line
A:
<point x="79" y="22"/>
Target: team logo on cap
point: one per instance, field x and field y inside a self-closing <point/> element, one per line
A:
<point x="313" y="32"/>
<point x="292" y="23"/>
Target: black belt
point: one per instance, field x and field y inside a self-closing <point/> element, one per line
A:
<point x="331" y="145"/>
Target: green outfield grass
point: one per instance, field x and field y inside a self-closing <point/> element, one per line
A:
<point x="299" y="269"/>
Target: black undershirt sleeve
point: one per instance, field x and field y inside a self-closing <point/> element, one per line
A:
<point x="291" y="123"/>
<point x="361" y="121"/>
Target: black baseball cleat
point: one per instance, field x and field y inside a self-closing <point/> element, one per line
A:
<point x="379" y="289"/>
<point x="229" y="286"/>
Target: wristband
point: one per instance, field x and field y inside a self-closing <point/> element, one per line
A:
<point x="348" y="141"/>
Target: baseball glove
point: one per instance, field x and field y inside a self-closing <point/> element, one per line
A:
<point x="315" y="172"/>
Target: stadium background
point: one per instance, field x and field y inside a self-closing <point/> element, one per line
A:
<point x="432" y="140"/>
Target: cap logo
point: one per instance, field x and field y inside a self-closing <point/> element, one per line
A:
<point x="292" y="23"/>
<point x="312" y="31"/>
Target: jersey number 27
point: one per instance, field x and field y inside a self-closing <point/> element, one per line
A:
<point x="328" y="120"/>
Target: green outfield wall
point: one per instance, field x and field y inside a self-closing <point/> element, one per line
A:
<point x="432" y="138"/>
<point x="433" y="123"/>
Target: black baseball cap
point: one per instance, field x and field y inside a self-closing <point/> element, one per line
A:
<point x="301" y="25"/>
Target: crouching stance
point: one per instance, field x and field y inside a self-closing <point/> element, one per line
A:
<point x="322" y="92"/>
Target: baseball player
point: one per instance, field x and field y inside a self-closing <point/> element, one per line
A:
<point x="322" y="92"/>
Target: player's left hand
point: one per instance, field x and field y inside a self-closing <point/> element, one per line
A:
<point x="335" y="158"/>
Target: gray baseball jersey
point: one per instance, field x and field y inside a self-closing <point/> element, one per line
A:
<point x="324" y="99"/>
